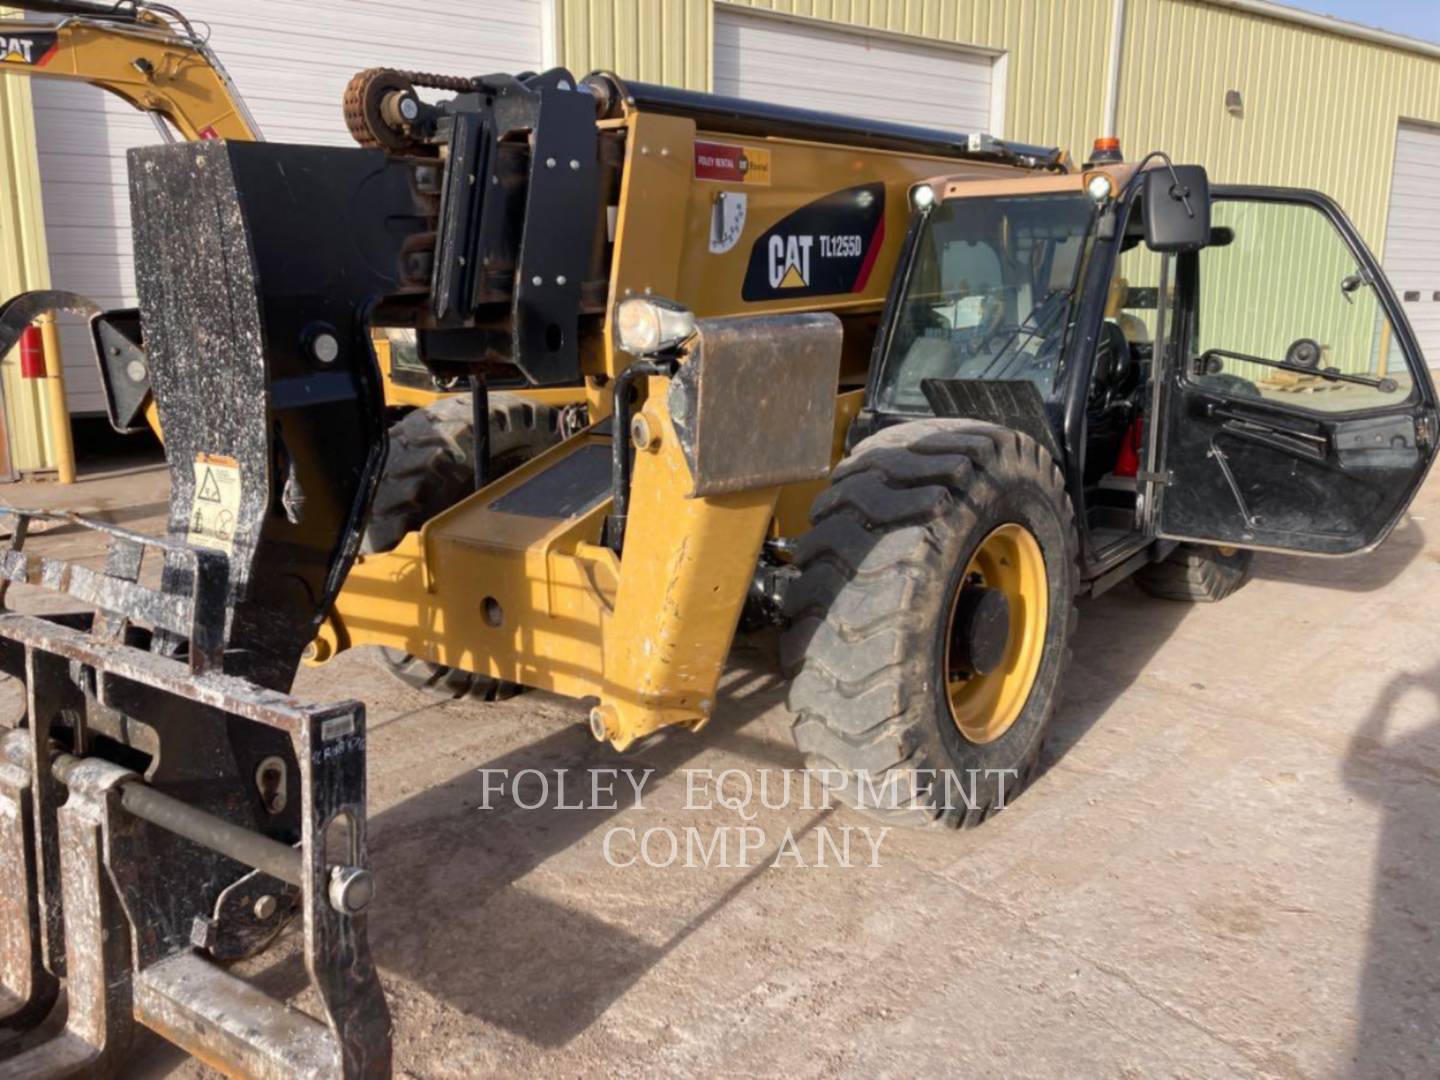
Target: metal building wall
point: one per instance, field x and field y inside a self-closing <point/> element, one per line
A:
<point x="1320" y="110"/>
<point x="24" y="265"/>
<point x="1056" y="50"/>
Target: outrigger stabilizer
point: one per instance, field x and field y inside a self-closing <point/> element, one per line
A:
<point x="166" y="808"/>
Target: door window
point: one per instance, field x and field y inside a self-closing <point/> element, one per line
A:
<point x="1281" y="284"/>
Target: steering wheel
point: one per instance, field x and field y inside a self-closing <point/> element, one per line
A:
<point x="1113" y="369"/>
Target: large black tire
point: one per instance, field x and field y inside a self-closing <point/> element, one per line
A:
<point x="1197" y="574"/>
<point x="445" y="682"/>
<point x="430" y="465"/>
<point x="868" y="643"/>
<point x="429" y="469"/>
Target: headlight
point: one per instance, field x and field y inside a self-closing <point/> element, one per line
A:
<point x="923" y="197"/>
<point x="1099" y="187"/>
<point x="647" y="324"/>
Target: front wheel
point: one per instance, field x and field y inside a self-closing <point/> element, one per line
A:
<point x="930" y="627"/>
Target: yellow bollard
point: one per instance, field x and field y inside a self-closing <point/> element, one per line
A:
<point x="56" y="408"/>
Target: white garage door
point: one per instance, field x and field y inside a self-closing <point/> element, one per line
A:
<point x="1412" y="234"/>
<point x="813" y="65"/>
<point x="291" y="63"/>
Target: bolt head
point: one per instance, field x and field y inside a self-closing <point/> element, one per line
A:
<point x="642" y="434"/>
<point x="136" y="371"/>
<point x="409" y="108"/>
<point x="265" y="908"/>
<point x="351" y="889"/>
<point x="325" y="347"/>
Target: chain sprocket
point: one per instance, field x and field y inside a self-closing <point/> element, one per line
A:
<point x="367" y="91"/>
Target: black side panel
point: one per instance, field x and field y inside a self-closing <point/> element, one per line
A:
<point x="257" y="265"/>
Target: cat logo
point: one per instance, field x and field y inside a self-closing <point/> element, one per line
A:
<point x="790" y="261"/>
<point x="29" y="49"/>
<point x="824" y="248"/>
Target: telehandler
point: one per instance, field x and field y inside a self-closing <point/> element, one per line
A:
<point x="907" y="393"/>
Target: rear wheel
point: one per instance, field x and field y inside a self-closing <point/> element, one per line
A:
<point x="430" y="464"/>
<point x="446" y="682"/>
<point x="931" y="622"/>
<point x="430" y="467"/>
<point x="1197" y="573"/>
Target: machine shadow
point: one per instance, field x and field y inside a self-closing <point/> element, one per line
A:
<point x="1120" y="632"/>
<point x="1393" y="764"/>
<point x="549" y="969"/>
<point x="1362" y="573"/>
<point x="1116" y="637"/>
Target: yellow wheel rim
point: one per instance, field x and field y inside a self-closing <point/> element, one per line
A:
<point x="984" y="706"/>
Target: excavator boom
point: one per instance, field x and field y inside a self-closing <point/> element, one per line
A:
<point x="147" y="54"/>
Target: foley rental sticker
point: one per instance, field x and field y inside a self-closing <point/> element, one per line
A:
<point x="732" y="164"/>
<point x="216" y="506"/>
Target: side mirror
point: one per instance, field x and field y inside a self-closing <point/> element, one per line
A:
<point x="1177" y="209"/>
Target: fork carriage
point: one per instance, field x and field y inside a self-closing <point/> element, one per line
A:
<point x="131" y="885"/>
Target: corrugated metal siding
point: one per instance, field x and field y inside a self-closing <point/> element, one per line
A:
<point x="661" y="41"/>
<point x="23" y="265"/>
<point x="1055" y="71"/>
<point x="1320" y="110"/>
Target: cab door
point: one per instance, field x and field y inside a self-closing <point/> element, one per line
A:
<point x="1296" y="411"/>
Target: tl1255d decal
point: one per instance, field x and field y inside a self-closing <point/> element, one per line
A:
<point x="827" y="246"/>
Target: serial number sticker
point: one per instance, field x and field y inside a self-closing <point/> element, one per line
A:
<point x="216" y="506"/>
<point x="336" y="726"/>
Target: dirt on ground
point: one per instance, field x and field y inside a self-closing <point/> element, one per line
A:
<point x="1227" y="867"/>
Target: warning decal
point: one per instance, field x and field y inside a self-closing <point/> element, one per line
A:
<point x="216" y="506"/>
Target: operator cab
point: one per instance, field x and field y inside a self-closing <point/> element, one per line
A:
<point x="1225" y="366"/>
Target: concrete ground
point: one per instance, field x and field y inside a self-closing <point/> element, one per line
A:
<point x="1228" y="867"/>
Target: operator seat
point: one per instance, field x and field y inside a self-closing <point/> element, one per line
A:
<point x="1132" y="326"/>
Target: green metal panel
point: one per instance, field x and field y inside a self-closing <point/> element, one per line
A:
<point x="663" y="41"/>
<point x="1320" y="110"/>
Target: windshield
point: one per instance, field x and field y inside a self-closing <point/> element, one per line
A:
<point x="988" y="296"/>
